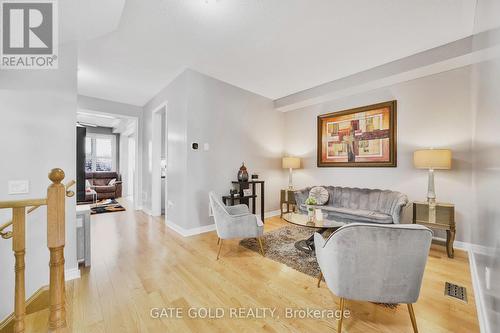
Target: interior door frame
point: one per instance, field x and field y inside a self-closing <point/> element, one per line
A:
<point x="156" y="159"/>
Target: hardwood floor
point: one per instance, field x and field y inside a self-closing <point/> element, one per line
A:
<point x="138" y="263"/>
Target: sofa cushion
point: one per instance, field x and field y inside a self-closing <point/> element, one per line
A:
<point x="100" y="182"/>
<point x="320" y="194"/>
<point x="112" y="182"/>
<point x="105" y="188"/>
<point x="360" y="215"/>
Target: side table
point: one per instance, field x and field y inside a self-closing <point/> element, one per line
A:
<point x="441" y="217"/>
<point x="287" y="197"/>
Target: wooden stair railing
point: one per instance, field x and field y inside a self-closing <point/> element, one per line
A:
<point x="55" y="202"/>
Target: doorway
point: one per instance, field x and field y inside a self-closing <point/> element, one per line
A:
<point x="159" y="152"/>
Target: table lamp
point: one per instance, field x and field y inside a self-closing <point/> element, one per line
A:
<point x="290" y="163"/>
<point x="432" y="159"/>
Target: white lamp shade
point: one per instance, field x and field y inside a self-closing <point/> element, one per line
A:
<point x="437" y="159"/>
<point x="291" y="163"/>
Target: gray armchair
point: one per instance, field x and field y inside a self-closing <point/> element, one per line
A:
<point x="235" y="222"/>
<point x="376" y="263"/>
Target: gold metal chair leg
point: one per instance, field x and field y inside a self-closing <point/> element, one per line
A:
<point x="261" y="246"/>
<point x="220" y="248"/>
<point x="218" y="240"/>
<point x="339" y="324"/>
<point x="412" y="317"/>
<point x="320" y="277"/>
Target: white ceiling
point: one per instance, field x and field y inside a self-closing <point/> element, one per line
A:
<point x="270" y="47"/>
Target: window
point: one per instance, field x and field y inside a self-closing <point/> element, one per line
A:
<point x="100" y="152"/>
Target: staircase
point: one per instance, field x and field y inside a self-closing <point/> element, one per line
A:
<point x="55" y="202"/>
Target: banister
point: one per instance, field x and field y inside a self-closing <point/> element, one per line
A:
<point x="23" y="203"/>
<point x="55" y="202"/>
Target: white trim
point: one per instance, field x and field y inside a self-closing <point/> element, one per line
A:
<point x="190" y="232"/>
<point x="478" y="295"/>
<point x="471" y="249"/>
<point x="155" y="156"/>
<point x="71" y="274"/>
<point x="147" y="211"/>
<point x="272" y="213"/>
<point x="465" y="246"/>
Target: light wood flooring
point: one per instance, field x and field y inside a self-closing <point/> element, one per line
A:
<point x="138" y="263"/>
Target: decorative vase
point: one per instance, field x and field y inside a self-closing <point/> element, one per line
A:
<point x="310" y="212"/>
<point x="243" y="173"/>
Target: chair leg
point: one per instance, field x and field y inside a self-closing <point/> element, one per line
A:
<point x="220" y="248"/>
<point x="412" y="317"/>
<point x="339" y="324"/>
<point x="218" y="240"/>
<point x="261" y="246"/>
<point x="320" y="277"/>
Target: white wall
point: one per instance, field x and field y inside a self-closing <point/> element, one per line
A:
<point x="238" y="125"/>
<point x="175" y="93"/>
<point x="432" y="112"/>
<point x="37" y="133"/>
<point x="486" y="173"/>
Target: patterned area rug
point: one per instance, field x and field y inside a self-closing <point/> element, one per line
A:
<point x="106" y="206"/>
<point x="279" y="246"/>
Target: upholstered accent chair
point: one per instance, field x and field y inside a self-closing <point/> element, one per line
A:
<point x="235" y="222"/>
<point x="375" y="263"/>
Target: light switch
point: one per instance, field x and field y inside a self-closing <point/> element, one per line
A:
<point x="206" y="146"/>
<point x="19" y="187"/>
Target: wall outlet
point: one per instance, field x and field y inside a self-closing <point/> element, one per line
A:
<point x="19" y="187"/>
<point x="487" y="277"/>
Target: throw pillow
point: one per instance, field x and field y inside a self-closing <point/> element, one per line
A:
<point x="320" y="194"/>
<point x="112" y="182"/>
<point x="88" y="185"/>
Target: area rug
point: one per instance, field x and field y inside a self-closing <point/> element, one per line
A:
<point x="279" y="245"/>
<point x="106" y="206"/>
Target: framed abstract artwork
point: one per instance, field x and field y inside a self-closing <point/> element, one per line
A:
<point x="360" y="137"/>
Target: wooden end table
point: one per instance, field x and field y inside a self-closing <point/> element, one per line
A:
<point x="440" y="217"/>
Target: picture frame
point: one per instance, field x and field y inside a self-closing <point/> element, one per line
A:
<point x="360" y="137"/>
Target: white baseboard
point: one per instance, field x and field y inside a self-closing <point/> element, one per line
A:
<point x="471" y="250"/>
<point x="272" y="213"/>
<point x="147" y="211"/>
<point x="71" y="274"/>
<point x="478" y="295"/>
<point x="190" y="232"/>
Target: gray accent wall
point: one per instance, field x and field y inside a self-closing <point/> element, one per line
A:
<point x="239" y="126"/>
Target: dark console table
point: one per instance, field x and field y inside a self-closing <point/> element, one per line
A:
<point x="231" y="200"/>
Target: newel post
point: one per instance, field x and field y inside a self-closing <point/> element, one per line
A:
<point x="56" y="196"/>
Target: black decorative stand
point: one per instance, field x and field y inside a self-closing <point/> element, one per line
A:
<point x="231" y="200"/>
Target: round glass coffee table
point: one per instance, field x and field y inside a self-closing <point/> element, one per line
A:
<point x="307" y="245"/>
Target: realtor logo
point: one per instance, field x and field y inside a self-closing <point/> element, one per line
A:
<point x="29" y="34"/>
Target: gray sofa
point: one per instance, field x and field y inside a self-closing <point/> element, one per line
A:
<point x="350" y="205"/>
